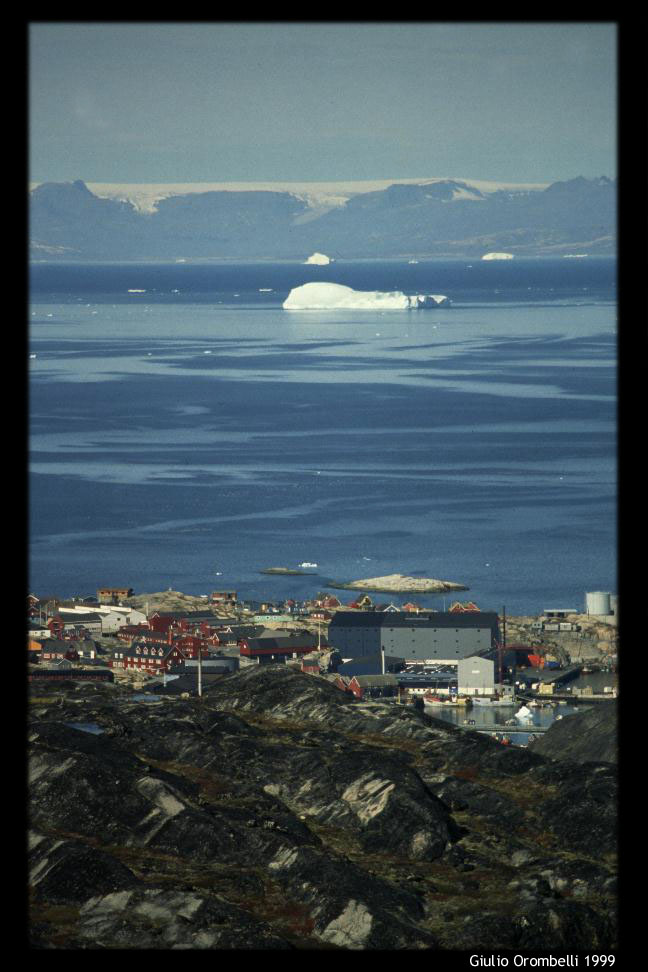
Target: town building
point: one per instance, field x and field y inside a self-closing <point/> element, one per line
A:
<point x="266" y="650"/>
<point x="371" y="665"/>
<point x="476" y="676"/>
<point x="113" y="595"/>
<point x="151" y="658"/>
<point x="431" y="636"/>
<point x="223" y="597"/>
<point x="113" y="617"/>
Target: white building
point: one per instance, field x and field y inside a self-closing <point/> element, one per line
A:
<point x="113" y="617"/>
<point x="475" y="676"/>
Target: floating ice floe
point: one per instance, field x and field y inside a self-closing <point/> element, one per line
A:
<point x="134" y="290"/>
<point x="332" y="296"/>
<point x="307" y="564"/>
<point x="320" y="259"/>
<point x="497" y="256"/>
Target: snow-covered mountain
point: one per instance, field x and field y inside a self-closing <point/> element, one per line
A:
<point x="379" y="219"/>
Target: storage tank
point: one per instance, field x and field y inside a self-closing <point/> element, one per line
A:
<point x="614" y="604"/>
<point x="597" y="602"/>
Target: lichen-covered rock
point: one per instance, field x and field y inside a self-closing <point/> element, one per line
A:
<point x="587" y="736"/>
<point x="277" y="812"/>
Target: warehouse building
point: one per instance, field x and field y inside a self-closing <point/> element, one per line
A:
<point x="476" y="676"/>
<point x="429" y="637"/>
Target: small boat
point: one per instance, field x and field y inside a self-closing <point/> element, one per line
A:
<point x="433" y="700"/>
<point x="438" y="700"/>
<point x="492" y="702"/>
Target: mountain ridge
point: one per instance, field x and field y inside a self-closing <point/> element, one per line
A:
<point x="426" y="218"/>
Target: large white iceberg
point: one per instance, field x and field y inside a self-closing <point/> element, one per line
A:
<point x="497" y="256"/>
<point x="320" y="259"/>
<point x="332" y="296"/>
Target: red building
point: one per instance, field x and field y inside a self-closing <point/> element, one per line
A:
<point x="266" y="650"/>
<point x="151" y="658"/>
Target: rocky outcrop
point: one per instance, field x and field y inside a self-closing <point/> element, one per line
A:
<point x="278" y="812"/>
<point x="587" y="736"/>
<point x="399" y="583"/>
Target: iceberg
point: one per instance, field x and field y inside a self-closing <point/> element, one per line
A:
<point x="332" y="296"/>
<point x="497" y="256"/>
<point x="320" y="259"/>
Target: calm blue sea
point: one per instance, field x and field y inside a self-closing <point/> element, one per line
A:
<point x="187" y="432"/>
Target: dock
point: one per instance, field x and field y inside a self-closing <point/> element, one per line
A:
<point x="554" y="676"/>
<point x="506" y="730"/>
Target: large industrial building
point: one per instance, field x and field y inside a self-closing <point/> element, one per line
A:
<point x="432" y="636"/>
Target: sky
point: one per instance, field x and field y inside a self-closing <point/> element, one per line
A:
<point x="163" y="102"/>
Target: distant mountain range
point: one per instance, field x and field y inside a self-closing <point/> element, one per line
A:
<point x="73" y="221"/>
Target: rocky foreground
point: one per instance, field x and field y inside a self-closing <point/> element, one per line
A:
<point x="278" y="813"/>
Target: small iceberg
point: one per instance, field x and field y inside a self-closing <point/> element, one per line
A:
<point x="319" y="259"/>
<point x="133" y="290"/>
<point x="307" y="564"/>
<point x="523" y="714"/>
<point x="332" y="296"/>
<point x="497" y="256"/>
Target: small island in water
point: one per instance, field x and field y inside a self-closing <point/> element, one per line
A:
<point x="285" y="570"/>
<point x="400" y="584"/>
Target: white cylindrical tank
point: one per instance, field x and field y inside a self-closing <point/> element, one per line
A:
<point x="614" y="604"/>
<point x="597" y="602"/>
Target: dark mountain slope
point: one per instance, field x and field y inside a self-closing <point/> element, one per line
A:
<point x="277" y="812"/>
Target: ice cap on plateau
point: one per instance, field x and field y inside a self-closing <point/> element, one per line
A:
<point x="320" y="259"/>
<point x="332" y="296"/>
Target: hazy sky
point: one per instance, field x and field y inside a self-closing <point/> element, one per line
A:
<point x="212" y="102"/>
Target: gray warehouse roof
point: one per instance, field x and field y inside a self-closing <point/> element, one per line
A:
<point x="407" y="619"/>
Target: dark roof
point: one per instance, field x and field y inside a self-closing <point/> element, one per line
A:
<point x="406" y="619"/>
<point x="130" y="650"/>
<point x="69" y="616"/>
<point x="188" y="615"/>
<point x="284" y="644"/>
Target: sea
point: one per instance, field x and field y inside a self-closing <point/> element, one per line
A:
<point x="186" y="432"/>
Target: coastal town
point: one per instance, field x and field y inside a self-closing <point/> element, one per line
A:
<point x="339" y="772"/>
<point x="462" y="659"/>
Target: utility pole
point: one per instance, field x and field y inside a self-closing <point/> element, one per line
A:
<point x="199" y="672"/>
